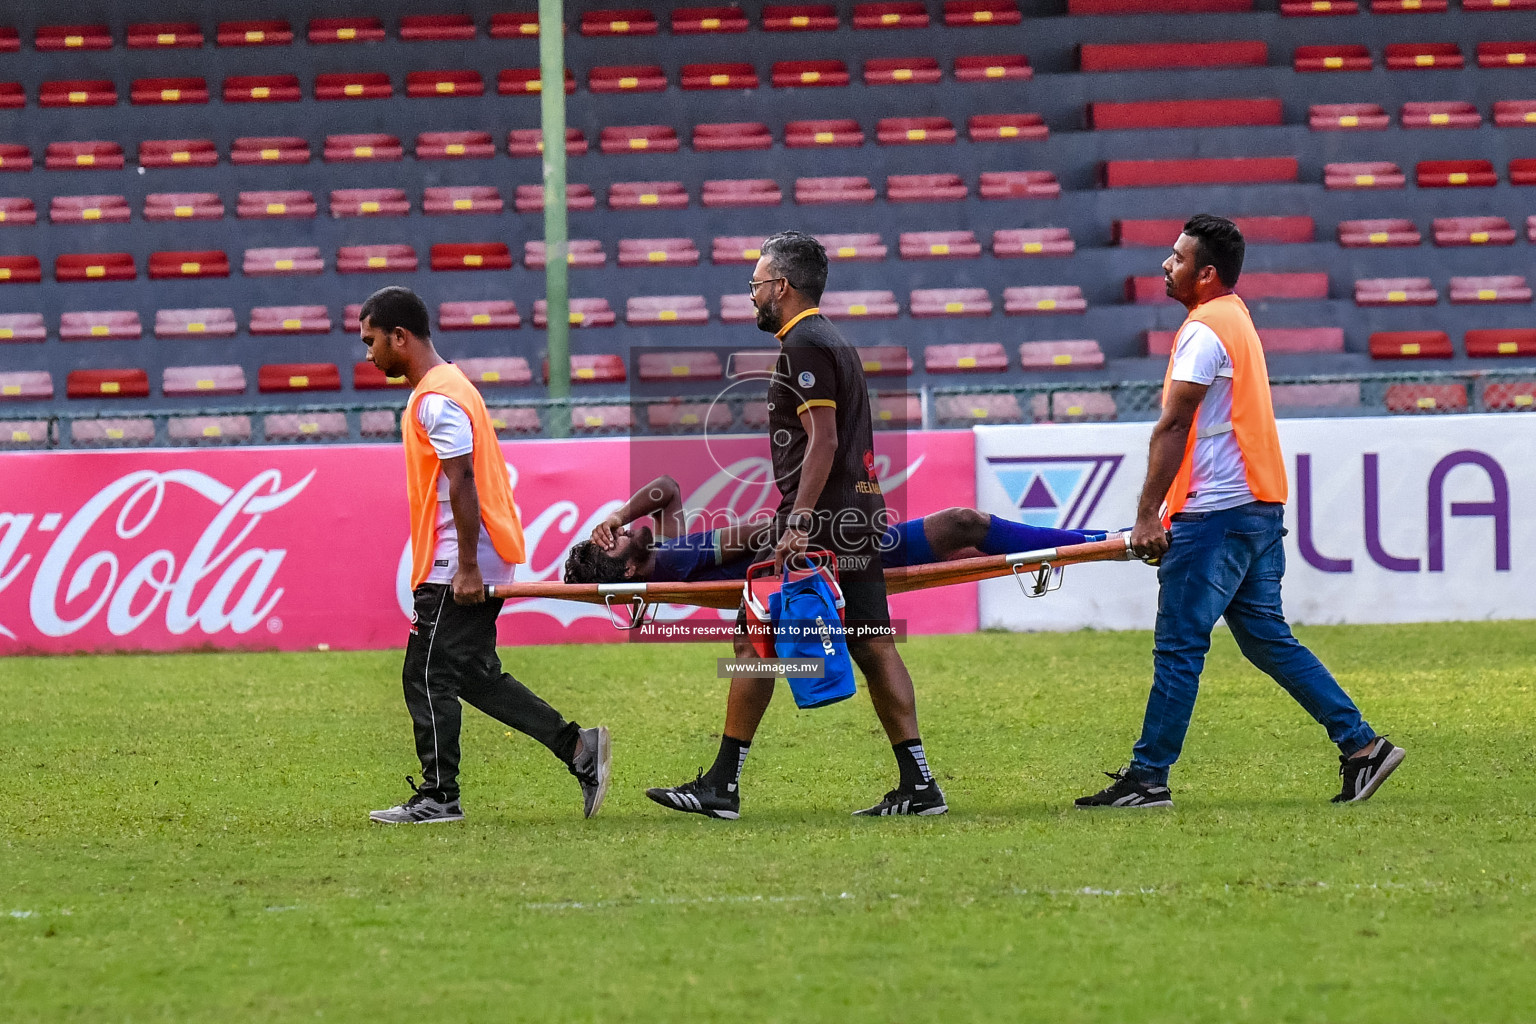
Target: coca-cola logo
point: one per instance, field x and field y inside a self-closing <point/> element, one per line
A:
<point x="216" y="585"/>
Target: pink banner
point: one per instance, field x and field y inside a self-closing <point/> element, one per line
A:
<point x="294" y="548"/>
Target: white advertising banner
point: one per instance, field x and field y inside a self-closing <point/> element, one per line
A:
<point x="1390" y="519"/>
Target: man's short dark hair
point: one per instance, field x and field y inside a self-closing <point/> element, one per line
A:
<point x="1221" y="246"/>
<point x="588" y="563"/>
<point x="397" y="306"/>
<point x="800" y="259"/>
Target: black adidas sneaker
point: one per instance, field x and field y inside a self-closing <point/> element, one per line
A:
<point x="1127" y="792"/>
<point x="699" y="797"/>
<point x="1364" y="775"/>
<point x="924" y="799"/>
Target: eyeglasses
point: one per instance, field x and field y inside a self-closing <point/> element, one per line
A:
<point x="752" y="286"/>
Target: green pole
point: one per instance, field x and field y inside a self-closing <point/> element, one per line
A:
<point x="556" y="237"/>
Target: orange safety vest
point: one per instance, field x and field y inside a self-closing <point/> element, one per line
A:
<point x="1253" y="412"/>
<point x="498" y="513"/>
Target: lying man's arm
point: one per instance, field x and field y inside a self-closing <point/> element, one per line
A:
<point x="660" y="498"/>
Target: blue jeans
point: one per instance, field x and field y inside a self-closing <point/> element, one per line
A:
<point x="1229" y="563"/>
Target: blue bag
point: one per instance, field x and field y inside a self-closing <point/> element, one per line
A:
<point x="809" y="604"/>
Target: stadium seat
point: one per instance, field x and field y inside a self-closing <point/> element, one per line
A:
<point x="446" y="199"/>
<point x="939" y="245"/>
<point x="737" y="193"/>
<point x="1333" y="117"/>
<point x="133" y="431"/>
<point x="599" y="419"/>
<point x="21" y="434"/>
<point x="1318" y="8"/>
<point x="1395" y="291"/>
<point x="282" y="261"/>
<point x="1019" y="185"/>
<point x="862" y="247"/>
<point x="17" y="210"/>
<point x="1441" y="114"/>
<point x="262" y="89"/>
<point x="530" y="142"/>
<point x="906" y="131"/>
<point x="1456" y="174"/>
<point x="172" y="206"/>
<point x="742" y="249"/>
<point x="284" y="377"/>
<point x="655" y="252"/>
<point x="593" y="369"/>
<point x="901" y="71"/>
<point x="429" y="84"/>
<point x="269" y="150"/>
<point x="22" y="327"/>
<point x="270" y="32"/>
<point x="627" y="78"/>
<point x="1515" y="341"/>
<point x="164" y="35"/>
<point x="817" y="73"/>
<point x="103" y="325"/>
<point x="515" y="25"/>
<point x="290" y="320"/>
<point x="367" y="377"/>
<point x="628" y="22"/>
<point x="94" y="266"/>
<point x="897" y="411"/>
<point x="20" y="270"/>
<point x="1412" y="56"/>
<point x="1200" y="171"/>
<point x="528" y="82"/>
<point x="981" y="13"/>
<point x="647" y="195"/>
<point x="1505" y="396"/>
<point x="862" y="305"/>
<point x="194" y="381"/>
<point x="14" y="157"/>
<point x="1023" y="300"/>
<point x="1522" y="171"/>
<point x="88" y="209"/>
<point x="167" y="91"/>
<point x="925" y="188"/>
<point x="1010" y="242"/>
<point x="369" y="202"/>
<point x="839" y="132"/>
<point x="583" y="313"/>
<point x="1503" y="288"/>
<point x="72" y="37"/>
<point x="12" y="96"/>
<point x="431" y="28"/>
<point x="77" y="92"/>
<point x="1010" y="67"/>
<point x="209" y="429"/>
<point x="669" y="366"/>
<point x="580" y="252"/>
<point x="799" y="18"/>
<point x="10" y="39"/>
<point x="1077" y="354"/>
<point x="1082" y="407"/>
<point x="885" y="360"/>
<point x="677" y="416"/>
<point x="1347" y="57"/>
<point x="1112" y="7"/>
<point x="70" y="156"/>
<point x="362" y="148"/>
<point x="511" y="421"/>
<point x="665" y="309"/>
<point x="962" y="410"/>
<point x="737" y="308"/>
<point x="1498" y="5"/>
<point x="737" y="135"/>
<point x="471" y="256"/>
<point x="1426" y="398"/>
<point x="283" y="205"/>
<point x="699" y="20"/>
<point x="485" y="315"/>
<point x="719" y="75"/>
<point x="530" y="198"/>
<point x="1393" y="232"/>
<point x="638" y="138"/>
<point x="188" y="263"/>
<point x="195" y="323"/>
<point x="975" y="357"/>
<point x="1342" y="395"/>
<point x="1006" y="127"/>
<point x="1410" y="345"/>
<point x="1282" y="340"/>
<point x="1209" y="113"/>
<point x="1473" y="231"/>
<point x="1408" y="6"/>
<point x="26" y="385"/>
<point x="899" y="14"/>
<point x="177" y="153"/>
<point x="454" y="146"/>
<point x="1530" y="229"/>
<point x="1374" y="174"/>
<point x="1514" y="113"/>
<point x="936" y="302"/>
<point x="304" y="426"/>
<point x="1506" y="54"/>
<point x="345" y="30"/>
<point x="1163" y="56"/>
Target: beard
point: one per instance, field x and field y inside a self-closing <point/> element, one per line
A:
<point x="769" y="319"/>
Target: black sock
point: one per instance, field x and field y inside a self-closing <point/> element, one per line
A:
<point x="912" y="763"/>
<point x="727" y="767"/>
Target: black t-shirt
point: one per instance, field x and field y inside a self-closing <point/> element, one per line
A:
<point x="819" y="368"/>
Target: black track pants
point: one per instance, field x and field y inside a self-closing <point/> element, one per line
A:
<point x="451" y="655"/>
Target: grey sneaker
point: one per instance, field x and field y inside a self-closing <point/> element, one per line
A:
<point x="420" y="809"/>
<point x="592" y="767"/>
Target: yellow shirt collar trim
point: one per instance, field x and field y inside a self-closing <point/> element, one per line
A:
<point x="798" y="317"/>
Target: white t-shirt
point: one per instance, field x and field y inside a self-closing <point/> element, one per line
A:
<point x="448" y="428"/>
<point x="1219" y="479"/>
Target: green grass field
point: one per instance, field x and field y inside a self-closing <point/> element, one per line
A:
<point x="185" y="839"/>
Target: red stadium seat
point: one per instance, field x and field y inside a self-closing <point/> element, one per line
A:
<point x="1408" y="6"/>
<point x="676" y="416"/>
<point x="1426" y="398"/>
<point x="1082" y="407"/>
<point x="719" y="76"/>
<point x="1515" y="341"/>
<point x="196" y="381"/>
<point x="12" y="96"/>
<point x="839" y="132"/>
<point x="369" y="202"/>
<point x="799" y="18"/>
<point x="1006" y="127"/>
<point x="1344" y="395"/>
<point x="1456" y="174"/>
<point x="17" y="210"/>
<point x="163" y="35"/>
<point x="1411" y="56"/>
<point x="1498" y="5"/>
<point x="901" y="71"/>
<point x="810" y="191"/>
<point x="1113" y="7"/>
<point x="128" y="382"/>
<point x="471" y="256"/>
<point x="26" y="434"/>
<point x="1441" y="114"/>
<point x="1078" y="354"/>
<point x="177" y="153"/>
<point x="77" y="92"/>
<point x="1200" y="171"/>
<point x="925" y="188"/>
<point x="975" y="357"/>
<point x="638" y="138"/>
<point x="1514" y="113"/>
<point x="454" y="146"/>
<point x="647" y="195"/>
<point x="1377" y="174"/>
<point x="961" y="410"/>
<point x="1473" y="231"/>
<point x="898" y="14"/>
<point x="284" y="205"/>
<point x="518" y="25"/>
<point x="747" y="192"/>
<point x="528" y="82"/>
<point x="737" y="308"/>
<point x="135" y="431"/>
<point x="188" y="264"/>
<point x="628" y="22"/>
<point x="427" y="28"/>
<point x="1331" y="117"/>
<point x="21" y="327"/>
<point x="1019" y="185"/>
<point x="939" y="245"/>
<point x="486" y="315"/>
<point x="698" y="20"/>
<point x="627" y="78"/>
<point x="1162" y="56"/>
<point x="290" y="320"/>
<point x="855" y="248"/>
<point x="73" y="37"/>
<point x="867" y="305"/>
<point x="195" y="323"/>
<point x="103" y="325"/>
<point x="1347" y="57"/>
<point x="287" y="260"/>
<point x="530" y="142"/>
<point x="596" y="419"/>
<point x="445" y="199"/>
<point x="359" y="148"/>
<point x="167" y="91"/>
<point x="1518" y="396"/>
<point x="20" y="270"/>
<point x="885" y="360"/>
<point x="14" y="157"/>
<point x="666" y="309"/>
<point x="742" y="249"/>
<point x="1506" y="55"/>
<point x="70" y="156"/>
<point x="667" y="366"/>
<point x="10" y="39"/>
<point x="530" y="198"/>
<point x="1008" y="242"/>
<point x="511" y="421"/>
<point x="1213" y="113"/>
<point x="270" y="32"/>
<point x="583" y="313"/>
<point x="896" y="411"/>
<point x="367" y="377"/>
<point x="981" y="13"/>
<point x="281" y="377"/>
<point x="163" y="206"/>
<point x="345" y="30"/>
<point x="262" y="89"/>
<point x="820" y="73"/>
<point x="1530" y="228"/>
<point x="88" y="209"/>
<point x="906" y="131"/>
<point x="1011" y="67"/>
<point x="1395" y="232"/>
<point x="1503" y="288"/>
<point x="269" y="150"/>
<point x="353" y="85"/>
<point x="428" y="84"/>
<point x="580" y="252"/>
<point x="1027" y="300"/>
<point x="655" y="252"/>
<point x="95" y="266"/>
<point x="936" y="302"/>
<point x="1318" y="8"/>
<point x="1522" y="171"/>
<point x="593" y="369"/>
<point x="304" y="426"/>
<point x="1395" y="291"/>
<point x="208" y="429"/>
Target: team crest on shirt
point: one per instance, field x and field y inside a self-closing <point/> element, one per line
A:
<point x="807" y="378"/>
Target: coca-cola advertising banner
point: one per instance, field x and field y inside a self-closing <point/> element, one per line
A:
<point x="297" y="547"/>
